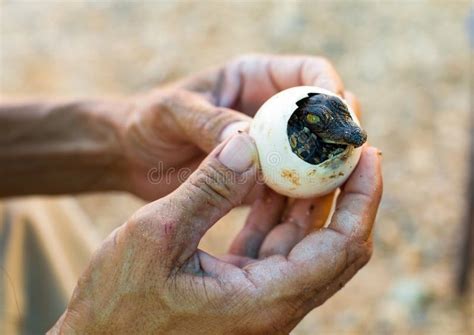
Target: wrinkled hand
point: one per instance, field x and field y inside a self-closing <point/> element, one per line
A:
<point x="169" y="131"/>
<point x="150" y="277"/>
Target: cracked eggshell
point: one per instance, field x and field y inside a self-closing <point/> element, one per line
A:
<point x="282" y="169"/>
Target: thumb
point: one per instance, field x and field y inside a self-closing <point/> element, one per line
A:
<point x="220" y="183"/>
<point x="201" y="122"/>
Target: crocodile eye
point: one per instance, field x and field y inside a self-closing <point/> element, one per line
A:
<point x="312" y="119"/>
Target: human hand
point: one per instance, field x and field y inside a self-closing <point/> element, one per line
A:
<point x="149" y="275"/>
<point x="168" y="132"/>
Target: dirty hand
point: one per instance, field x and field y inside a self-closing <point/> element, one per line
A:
<point x="150" y="277"/>
<point x="168" y="132"/>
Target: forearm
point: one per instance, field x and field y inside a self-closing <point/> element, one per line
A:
<point x="60" y="147"/>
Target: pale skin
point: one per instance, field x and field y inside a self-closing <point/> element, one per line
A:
<point x="149" y="276"/>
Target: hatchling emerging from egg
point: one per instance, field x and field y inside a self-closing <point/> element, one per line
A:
<point x="321" y="128"/>
<point x="315" y="136"/>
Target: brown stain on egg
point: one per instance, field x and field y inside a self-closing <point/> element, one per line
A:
<point x="311" y="173"/>
<point x="340" y="174"/>
<point x="292" y="176"/>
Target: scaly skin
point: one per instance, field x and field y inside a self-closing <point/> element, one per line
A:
<point x="322" y="127"/>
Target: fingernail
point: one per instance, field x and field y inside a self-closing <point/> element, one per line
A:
<point x="238" y="154"/>
<point x="233" y="128"/>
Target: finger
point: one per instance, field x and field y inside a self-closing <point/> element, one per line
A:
<point x="198" y="121"/>
<point x="357" y="206"/>
<point x="219" y="184"/>
<point x="205" y="82"/>
<point x="330" y="257"/>
<point x="354" y="102"/>
<point x="277" y="73"/>
<point x="304" y="216"/>
<point x="314" y="270"/>
<point x="325" y="260"/>
<point x="220" y="85"/>
<point x="266" y="212"/>
<point x="355" y="213"/>
<point x="289" y="71"/>
<point x="247" y="82"/>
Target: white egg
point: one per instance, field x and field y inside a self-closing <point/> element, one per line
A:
<point x="282" y="169"/>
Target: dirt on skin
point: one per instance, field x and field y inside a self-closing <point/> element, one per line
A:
<point x="408" y="62"/>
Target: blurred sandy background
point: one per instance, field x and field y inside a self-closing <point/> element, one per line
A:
<point x="408" y="61"/>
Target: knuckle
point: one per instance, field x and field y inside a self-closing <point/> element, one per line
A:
<point x="169" y="98"/>
<point x="198" y="120"/>
<point x="359" y="253"/>
<point x="213" y="183"/>
<point x="153" y="223"/>
<point x="158" y="99"/>
<point x="206" y="125"/>
<point x="176" y="100"/>
<point x="136" y="220"/>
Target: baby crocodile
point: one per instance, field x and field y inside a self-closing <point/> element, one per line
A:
<point x="322" y="127"/>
